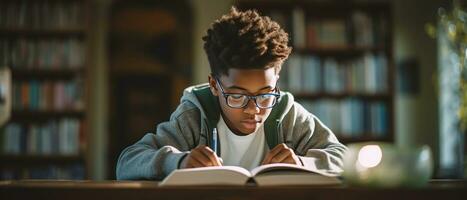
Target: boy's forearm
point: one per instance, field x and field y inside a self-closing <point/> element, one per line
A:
<point x="143" y="162"/>
<point x="323" y="151"/>
<point x="329" y="159"/>
<point x="157" y="155"/>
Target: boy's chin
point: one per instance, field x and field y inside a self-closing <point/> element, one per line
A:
<point x="249" y="130"/>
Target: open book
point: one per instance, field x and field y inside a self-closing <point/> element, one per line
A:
<point x="264" y="175"/>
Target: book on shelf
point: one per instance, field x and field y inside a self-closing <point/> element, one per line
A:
<point x="47" y="95"/>
<point x="55" y="137"/>
<point x="40" y="14"/>
<point x="26" y="53"/>
<point x="360" y="29"/>
<point x="264" y="175"/>
<point x="294" y="72"/>
<point x="311" y="74"/>
<point x="298" y="32"/>
<point x="351" y="117"/>
<point x="363" y="27"/>
<point x="326" y="33"/>
<point x="333" y="76"/>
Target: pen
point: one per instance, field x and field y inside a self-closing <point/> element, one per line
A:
<point x="214" y="140"/>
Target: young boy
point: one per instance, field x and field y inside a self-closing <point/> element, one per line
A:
<point x="256" y="122"/>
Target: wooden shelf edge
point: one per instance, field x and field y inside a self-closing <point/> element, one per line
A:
<point x="20" y="32"/>
<point x="311" y="5"/>
<point x="25" y="73"/>
<point x="346" y="49"/>
<point x="312" y="96"/>
<point x="33" y="160"/>
<point x="17" y="115"/>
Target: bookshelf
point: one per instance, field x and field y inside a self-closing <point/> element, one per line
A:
<point x="149" y="67"/>
<point x="43" y="42"/>
<point x="341" y="67"/>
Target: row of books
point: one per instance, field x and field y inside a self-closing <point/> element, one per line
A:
<point x="40" y="14"/>
<point x="55" y="137"/>
<point x="50" y="53"/>
<point x="358" y="29"/>
<point x="47" y="95"/>
<point x="351" y="117"/>
<point x="68" y="172"/>
<point x="312" y="74"/>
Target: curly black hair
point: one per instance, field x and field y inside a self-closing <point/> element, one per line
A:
<point x="245" y="40"/>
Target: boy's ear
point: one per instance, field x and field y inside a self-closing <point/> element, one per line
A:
<point x="212" y="85"/>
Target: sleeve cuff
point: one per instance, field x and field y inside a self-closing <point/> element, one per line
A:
<point x="173" y="161"/>
<point x="182" y="158"/>
<point x="308" y="162"/>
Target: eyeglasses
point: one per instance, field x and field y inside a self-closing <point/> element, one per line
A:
<point x="238" y="100"/>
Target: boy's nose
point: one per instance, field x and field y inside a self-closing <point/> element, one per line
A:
<point x="251" y="107"/>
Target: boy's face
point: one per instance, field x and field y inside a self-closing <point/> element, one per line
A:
<point x="246" y="120"/>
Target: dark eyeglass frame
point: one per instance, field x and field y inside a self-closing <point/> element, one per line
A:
<point x="249" y="97"/>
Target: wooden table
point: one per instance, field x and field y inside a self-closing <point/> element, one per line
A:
<point x="126" y="190"/>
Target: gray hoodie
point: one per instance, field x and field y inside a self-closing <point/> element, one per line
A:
<point x="158" y="154"/>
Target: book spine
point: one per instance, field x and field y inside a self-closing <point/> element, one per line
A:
<point x="299" y="34"/>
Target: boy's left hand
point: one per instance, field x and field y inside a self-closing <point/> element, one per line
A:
<point x="281" y="154"/>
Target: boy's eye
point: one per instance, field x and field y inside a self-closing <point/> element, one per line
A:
<point x="263" y="97"/>
<point x="237" y="96"/>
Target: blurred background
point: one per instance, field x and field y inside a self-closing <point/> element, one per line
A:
<point x="92" y="77"/>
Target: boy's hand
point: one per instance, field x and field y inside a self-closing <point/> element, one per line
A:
<point x="201" y="156"/>
<point x="281" y="154"/>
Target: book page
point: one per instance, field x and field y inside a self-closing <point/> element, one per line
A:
<point x="293" y="177"/>
<point x="288" y="167"/>
<point x="223" y="175"/>
<point x="289" y="174"/>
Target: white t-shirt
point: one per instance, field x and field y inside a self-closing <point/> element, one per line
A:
<point x="245" y="151"/>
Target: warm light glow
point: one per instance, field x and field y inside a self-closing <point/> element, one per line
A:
<point x="370" y="156"/>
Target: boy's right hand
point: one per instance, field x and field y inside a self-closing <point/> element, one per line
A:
<point x="201" y="156"/>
